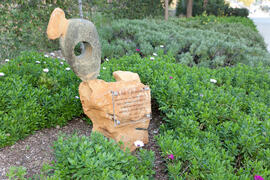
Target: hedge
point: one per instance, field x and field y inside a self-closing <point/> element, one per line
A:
<point x="208" y="44"/>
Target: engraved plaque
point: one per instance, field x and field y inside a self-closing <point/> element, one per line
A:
<point x="131" y="105"/>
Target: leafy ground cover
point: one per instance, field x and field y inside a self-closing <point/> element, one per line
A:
<point x="217" y="120"/>
<point x="36" y="92"/>
<point x="77" y="156"/>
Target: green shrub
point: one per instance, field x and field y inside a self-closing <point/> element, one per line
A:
<point x="241" y="12"/>
<point x="135" y="9"/>
<point x="214" y="130"/>
<point x="31" y="99"/>
<point x="224" y="20"/>
<point x="23" y="25"/>
<point x="96" y="158"/>
<point x="204" y="44"/>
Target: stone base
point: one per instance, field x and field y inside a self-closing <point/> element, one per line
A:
<point x="120" y="110"/>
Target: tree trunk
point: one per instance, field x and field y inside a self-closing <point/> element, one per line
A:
<point x="205" y="4"/>
<point x="109" y="1"/>
<point x="189" y="8"/>
<point x="166" y="10"/>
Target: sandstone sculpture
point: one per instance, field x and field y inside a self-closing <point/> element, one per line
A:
<point x="71" y="32"/>
<point x="120" y="110"/>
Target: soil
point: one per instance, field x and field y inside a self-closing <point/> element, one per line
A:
<point x="35" y="150"/>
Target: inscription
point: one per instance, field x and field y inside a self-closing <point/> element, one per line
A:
<point x="132" y="105"/>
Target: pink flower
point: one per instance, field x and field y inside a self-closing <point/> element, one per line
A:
<point x="170" y="156"/>
<point x="138" y="50"/>
<point x="171" y="77"/>
<point x="257" y="177"/>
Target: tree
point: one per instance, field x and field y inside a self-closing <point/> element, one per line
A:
<point x="189" y="8"/>
<point x="166" y="9"/>
<point x="205" y="4"/>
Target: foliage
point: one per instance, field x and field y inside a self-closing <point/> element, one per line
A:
<point x="135" y="9"/>
<point x="196" y="42"/>
<point x="23" y="25"/>
<point x="214" y="7"/>
<point x="31" y="99"/>
<point x="241" y="12"/>
<point x="214" y="130"/>
<point x="97" y="158"/>
<point x="204" y="18"/>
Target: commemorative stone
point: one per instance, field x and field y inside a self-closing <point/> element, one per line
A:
<point x="120" y="110"/>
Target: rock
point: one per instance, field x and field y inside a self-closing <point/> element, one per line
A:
<point x="72" y="32"/>
<point x="126" y="76"/>
<point x="120" y="110"/>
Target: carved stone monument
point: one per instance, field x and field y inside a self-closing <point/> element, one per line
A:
<point x="120" y="110"/>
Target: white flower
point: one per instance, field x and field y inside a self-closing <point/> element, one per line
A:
<point x="155" y="54"/>
<point x="152" y="58"/>
<point x="6" y="60"/>
<point x="46" y="56"/>
<point x="44" y="62"/>
<point x="2" y="74"/>
<point x="52" y="54"/>
<point x="104" y="68"/>
<point x="213" y="81"/>
<point x="58" y="57"/>
<point x="138" y="143"/>
<point x="77" y="97"/>
<point x="61" y="63"/>
<point x="162" y="46"/>
<point x="46" y="70"/>
<point x="38" y="62"/>
<point x="67" y="68"/>
<point x="107" y="59"/>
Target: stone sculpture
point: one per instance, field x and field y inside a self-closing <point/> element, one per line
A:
<point x="71" y="32"/>
<point x="120" y="110"/>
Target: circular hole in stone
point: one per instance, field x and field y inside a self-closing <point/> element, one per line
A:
<point x="83" y="49"/>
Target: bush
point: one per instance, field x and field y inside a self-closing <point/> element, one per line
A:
<point x="241" y="12"/>
<point x="190" y="42"/>
<point x="228" y="20"/>
<point x="23" y="25"/>
<point x="31" y="99"/>
<point x="96" y="158"/>
<point x="214" y="130"/>
<point x="136" y="9"/>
